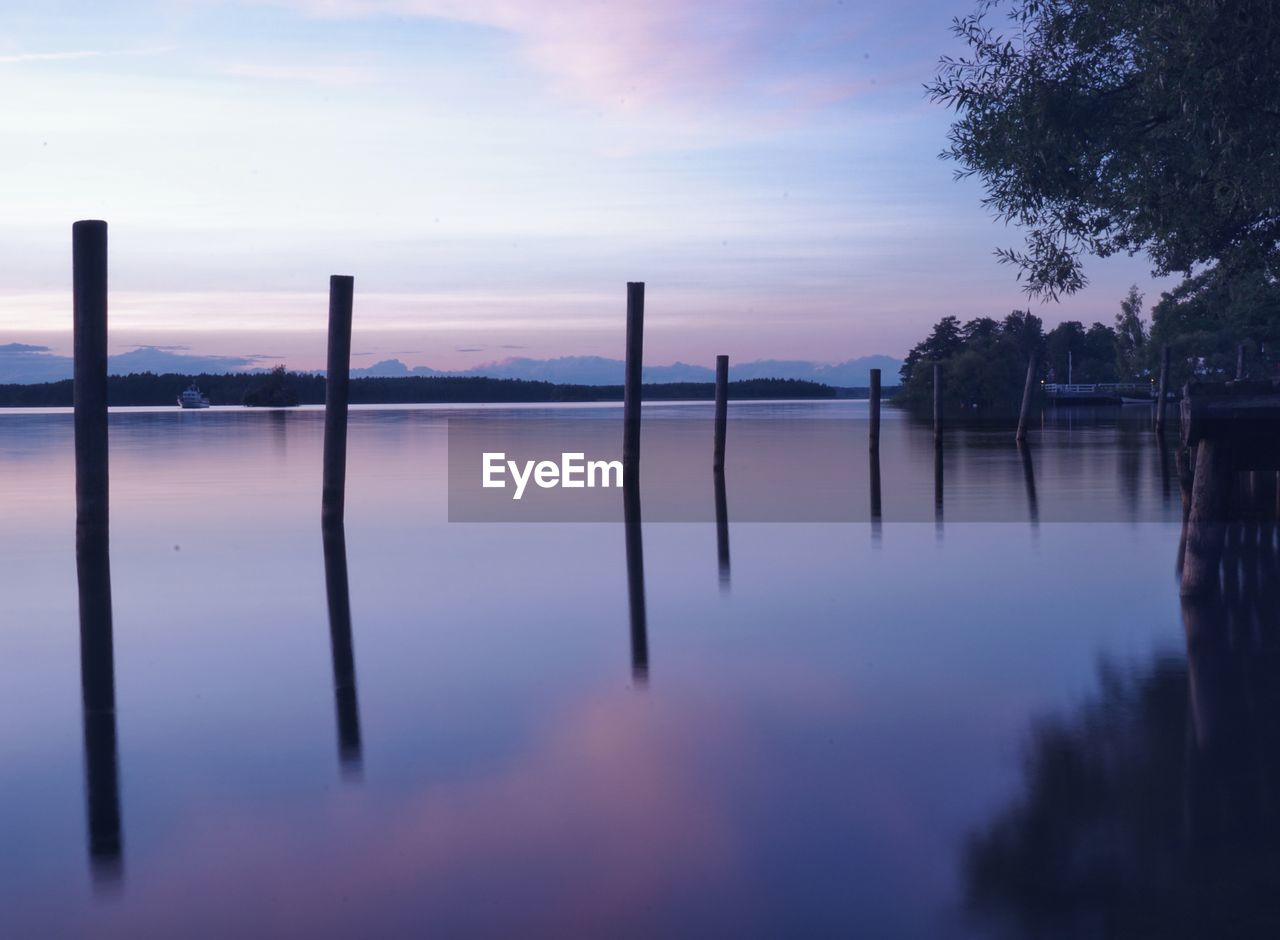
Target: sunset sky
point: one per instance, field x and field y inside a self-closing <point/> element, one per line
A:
<point x="493" y="172"/>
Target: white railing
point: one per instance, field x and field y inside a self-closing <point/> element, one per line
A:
<point x="1097" y="388"/>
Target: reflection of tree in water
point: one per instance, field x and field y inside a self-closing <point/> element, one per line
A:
<point x="1154" y="809"/>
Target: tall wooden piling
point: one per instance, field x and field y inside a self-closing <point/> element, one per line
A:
<point x="937" y="401"/>
<point x="89" y="324"/>
<point x="722" y="410"/>
<point x="336" y="391"/>
<point x="1240" y="362"/>
<point x="1206" y="518"/>
<point x="1027" y="388"/>
<point x="1162" y="389"/>
<point x="632" y="378"/>
<point x="873" y="431"/>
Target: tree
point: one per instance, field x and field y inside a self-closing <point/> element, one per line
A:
<point x="1105" y="126"/>
<point x="1131" y="336"/>
<point x="984" y="361"/>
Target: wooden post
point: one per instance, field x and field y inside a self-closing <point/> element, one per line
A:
<point x="635" y="580"/>
<point x="722" y="410"/>
<point x="937" y="401"/>
<point x="874" y="430"/>
<point x="1206" y="519"/>
<point x="632" y="379"/>
<point x="336" y="391"/>
<point x="1162" y="389"/>
<point x="1027" y="389"/>
<point x="1240" y="363"/>
<point x="342" y="650"/>
<point x="89" y="325"/>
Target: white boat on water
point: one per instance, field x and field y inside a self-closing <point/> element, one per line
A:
<point x="193" y="398"/>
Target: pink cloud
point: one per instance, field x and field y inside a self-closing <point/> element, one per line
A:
<point x="629" y="56"/>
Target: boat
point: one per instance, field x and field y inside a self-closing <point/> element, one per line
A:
<point x="193" y="398"/>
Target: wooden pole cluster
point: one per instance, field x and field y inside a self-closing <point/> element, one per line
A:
<point x="1027" y="389"/>
<point x="722" y="411"/>
<point x="89" y="303"/>
<point x="873" y="430"/>
<point x="337" y="390"/>
<point x="632" y="377"/>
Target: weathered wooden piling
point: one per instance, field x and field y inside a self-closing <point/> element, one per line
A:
<point x="1206" y="520"/>
<point x="722" y="410"/>
<point x="1233" y="427"/>
<point x="336" y="391"/>
<point x="635" y="580"/>
<point x="632" y="377"/>
<point x="1240" y="374"/>
<point x="1028" y="388"/>
<point x="89" y="325"/>
<point x="937" y="401"/>
<point x="1162" y="389"/>
<point x="342" y="650"/>
<point x="98" y="698"/>
<point x="722" y="529"/>
<point x="873" y="431"/>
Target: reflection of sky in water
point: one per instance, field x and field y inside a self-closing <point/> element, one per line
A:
<point x="811" y="749"/>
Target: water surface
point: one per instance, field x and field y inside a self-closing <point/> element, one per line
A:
<point x="822" y="727"/>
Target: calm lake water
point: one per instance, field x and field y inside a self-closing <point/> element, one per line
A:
<point x="975" y="716"/>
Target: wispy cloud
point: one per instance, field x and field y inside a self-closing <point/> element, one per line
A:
<point x="337" y="75"/>
<point x="72" y="55"/>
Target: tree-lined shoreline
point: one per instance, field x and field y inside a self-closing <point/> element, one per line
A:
<point x="149" y="389"/>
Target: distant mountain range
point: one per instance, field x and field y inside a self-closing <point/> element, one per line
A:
<point x="25" y="364"/>
<point x="597" y="370"/>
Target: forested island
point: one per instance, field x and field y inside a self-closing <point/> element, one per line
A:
<point x="232" y="388"/>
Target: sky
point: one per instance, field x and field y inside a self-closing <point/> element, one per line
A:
<point x="493" y="172"/>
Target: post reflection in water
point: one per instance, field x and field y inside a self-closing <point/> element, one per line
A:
<point x="635" y="580"/>
<point x="722" y="529"/>
<point x="345" y="701"/>
<point x="937" y="486"/>
<point x="1153" y="810"/>
<point x="98" y="694"/>
<point x="1029" y="478"/>
<point x="876" y="514"/>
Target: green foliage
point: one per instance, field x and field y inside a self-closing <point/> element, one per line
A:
<point x="276" y="392"/>
<point x="984" y="361"/>
<point x="1131" y="336"/>
<point x="1206" y="317"/>
<point x="1105" y="126"/>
